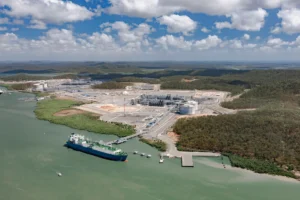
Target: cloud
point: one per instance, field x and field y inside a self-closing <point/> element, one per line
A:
<point x="276" y="42"/>
<point x="290" y="20"/>
<point x="170" y="41"/>
<point x="14" y="29"/>
<point x="205" y="30"/>
<point x="210" y="42"/>
<point x="4" y="20"/>
<point x="156" y="8"/>
<point x="126" y="40"/>
<point x="47" y="11"/>
<point x="126" y="33"/>
<point x="178" y="24"/>
<point x="3" y="28"/>
<point x="246" y="37"/>
<point x="276" y="30"/>
<point x="246" y="21"/>
<point x="18" y="21"/>
<point x="36" y="24"/>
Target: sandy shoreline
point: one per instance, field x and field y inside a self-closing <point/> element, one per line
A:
<point x="246" y="174"/>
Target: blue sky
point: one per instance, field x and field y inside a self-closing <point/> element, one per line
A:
<point x="113" y="30"/>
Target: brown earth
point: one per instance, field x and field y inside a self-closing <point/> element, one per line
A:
<point x="174" y="137"/>
<point x="108" y="108"/>
<point x="68" y="112"/>
<point x="65" y="98"/>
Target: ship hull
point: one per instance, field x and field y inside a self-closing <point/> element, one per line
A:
<point x="96" y="153"/>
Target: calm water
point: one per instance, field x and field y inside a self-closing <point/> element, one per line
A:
<point x="31" y="152"/>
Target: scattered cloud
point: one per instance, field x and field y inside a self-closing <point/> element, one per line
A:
<point x="3" y="28"/>
<point x="14" y="29"/>
<point x="4" y="20"/>
<point x="210" y="42"/>
<point x="205" y="30"/>
<point x="276" y="30"/>
<point x="47" y="11"/>
<point x="36" y="24"/>
<point x="246" y="21"/>
<point x="290" y="20"/>
<point x="246" y="37"/>
<point x="178" y="24"/>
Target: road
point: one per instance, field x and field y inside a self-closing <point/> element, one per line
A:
<point x="162" y="126"/>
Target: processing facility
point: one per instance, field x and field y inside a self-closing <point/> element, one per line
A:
<point x="178" y="103"/>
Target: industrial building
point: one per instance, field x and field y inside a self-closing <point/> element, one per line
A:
<point x="143" y="86"/>
<point x="179" y="103"/>
<point x="188" y="108"/>
<point x="40" y="87"/>
<point x="158" y="100"/>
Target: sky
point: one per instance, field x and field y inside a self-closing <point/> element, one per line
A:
<point x="150" y="30"/>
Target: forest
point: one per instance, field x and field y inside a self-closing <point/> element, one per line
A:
<point x="265" y="140"/>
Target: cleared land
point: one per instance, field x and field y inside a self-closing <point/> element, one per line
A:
<point x="46" y="110"/>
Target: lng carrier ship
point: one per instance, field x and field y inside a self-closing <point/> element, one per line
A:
<point x="100" y="149"/>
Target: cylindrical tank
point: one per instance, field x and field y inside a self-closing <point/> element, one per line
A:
<point x="187" y="109"/>
<point x="45" y="85"/>
<point x="194" y="103"/>
<point x="38" y="87"/>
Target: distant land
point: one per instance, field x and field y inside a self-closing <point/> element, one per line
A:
<point x="39" y="67"/>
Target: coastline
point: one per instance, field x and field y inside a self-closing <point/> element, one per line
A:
<point x="246" y="173"/>
<point x="279" y="177"/>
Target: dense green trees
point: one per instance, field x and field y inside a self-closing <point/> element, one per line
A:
<point x="158" y="144"/>
<point x="267" y="135"/>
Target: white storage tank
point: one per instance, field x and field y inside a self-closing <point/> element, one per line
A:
<point x="187" y="109"/>
<point x="45" y="85"/>
<point x="38" y="87"/>
<point x="194" y="103"/>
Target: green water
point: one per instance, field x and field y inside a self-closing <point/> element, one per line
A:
<point x="31" y="152"/>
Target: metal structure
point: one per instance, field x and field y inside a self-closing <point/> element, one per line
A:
<point x="159" y="100"/>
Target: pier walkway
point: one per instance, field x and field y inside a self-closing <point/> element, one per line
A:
<point x="186" y="157"/>
<point x="124" y="138"/>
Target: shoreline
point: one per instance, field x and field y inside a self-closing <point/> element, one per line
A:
<point x="277" y="176"/>
<point x="252" y="175"/>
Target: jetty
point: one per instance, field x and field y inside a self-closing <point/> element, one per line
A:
<point x="187" y="161"/>
<point x="124" y="139"/>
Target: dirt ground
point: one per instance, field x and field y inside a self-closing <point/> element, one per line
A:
<point x="68" y="112"/>
<point x="174" y="137"/>
<point x="65" y="98"/>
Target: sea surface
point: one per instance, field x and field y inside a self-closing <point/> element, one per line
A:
<point x="32" y="152"/>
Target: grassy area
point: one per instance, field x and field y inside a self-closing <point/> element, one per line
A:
<point x="258" y="166"/>
<point x="8" y="87"/>
<point x="46" y="109"/>
<point x="158" y="144"/>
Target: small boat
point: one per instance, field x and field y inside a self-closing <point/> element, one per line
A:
<point x="148" y="156"/>
<point x="59" y="174"/>
<point x="135" y="152"/>
<point x="161" y="160"/>
<point x="142" y="154"/>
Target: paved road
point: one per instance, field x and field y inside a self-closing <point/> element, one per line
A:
<point x="163" y="125"/>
